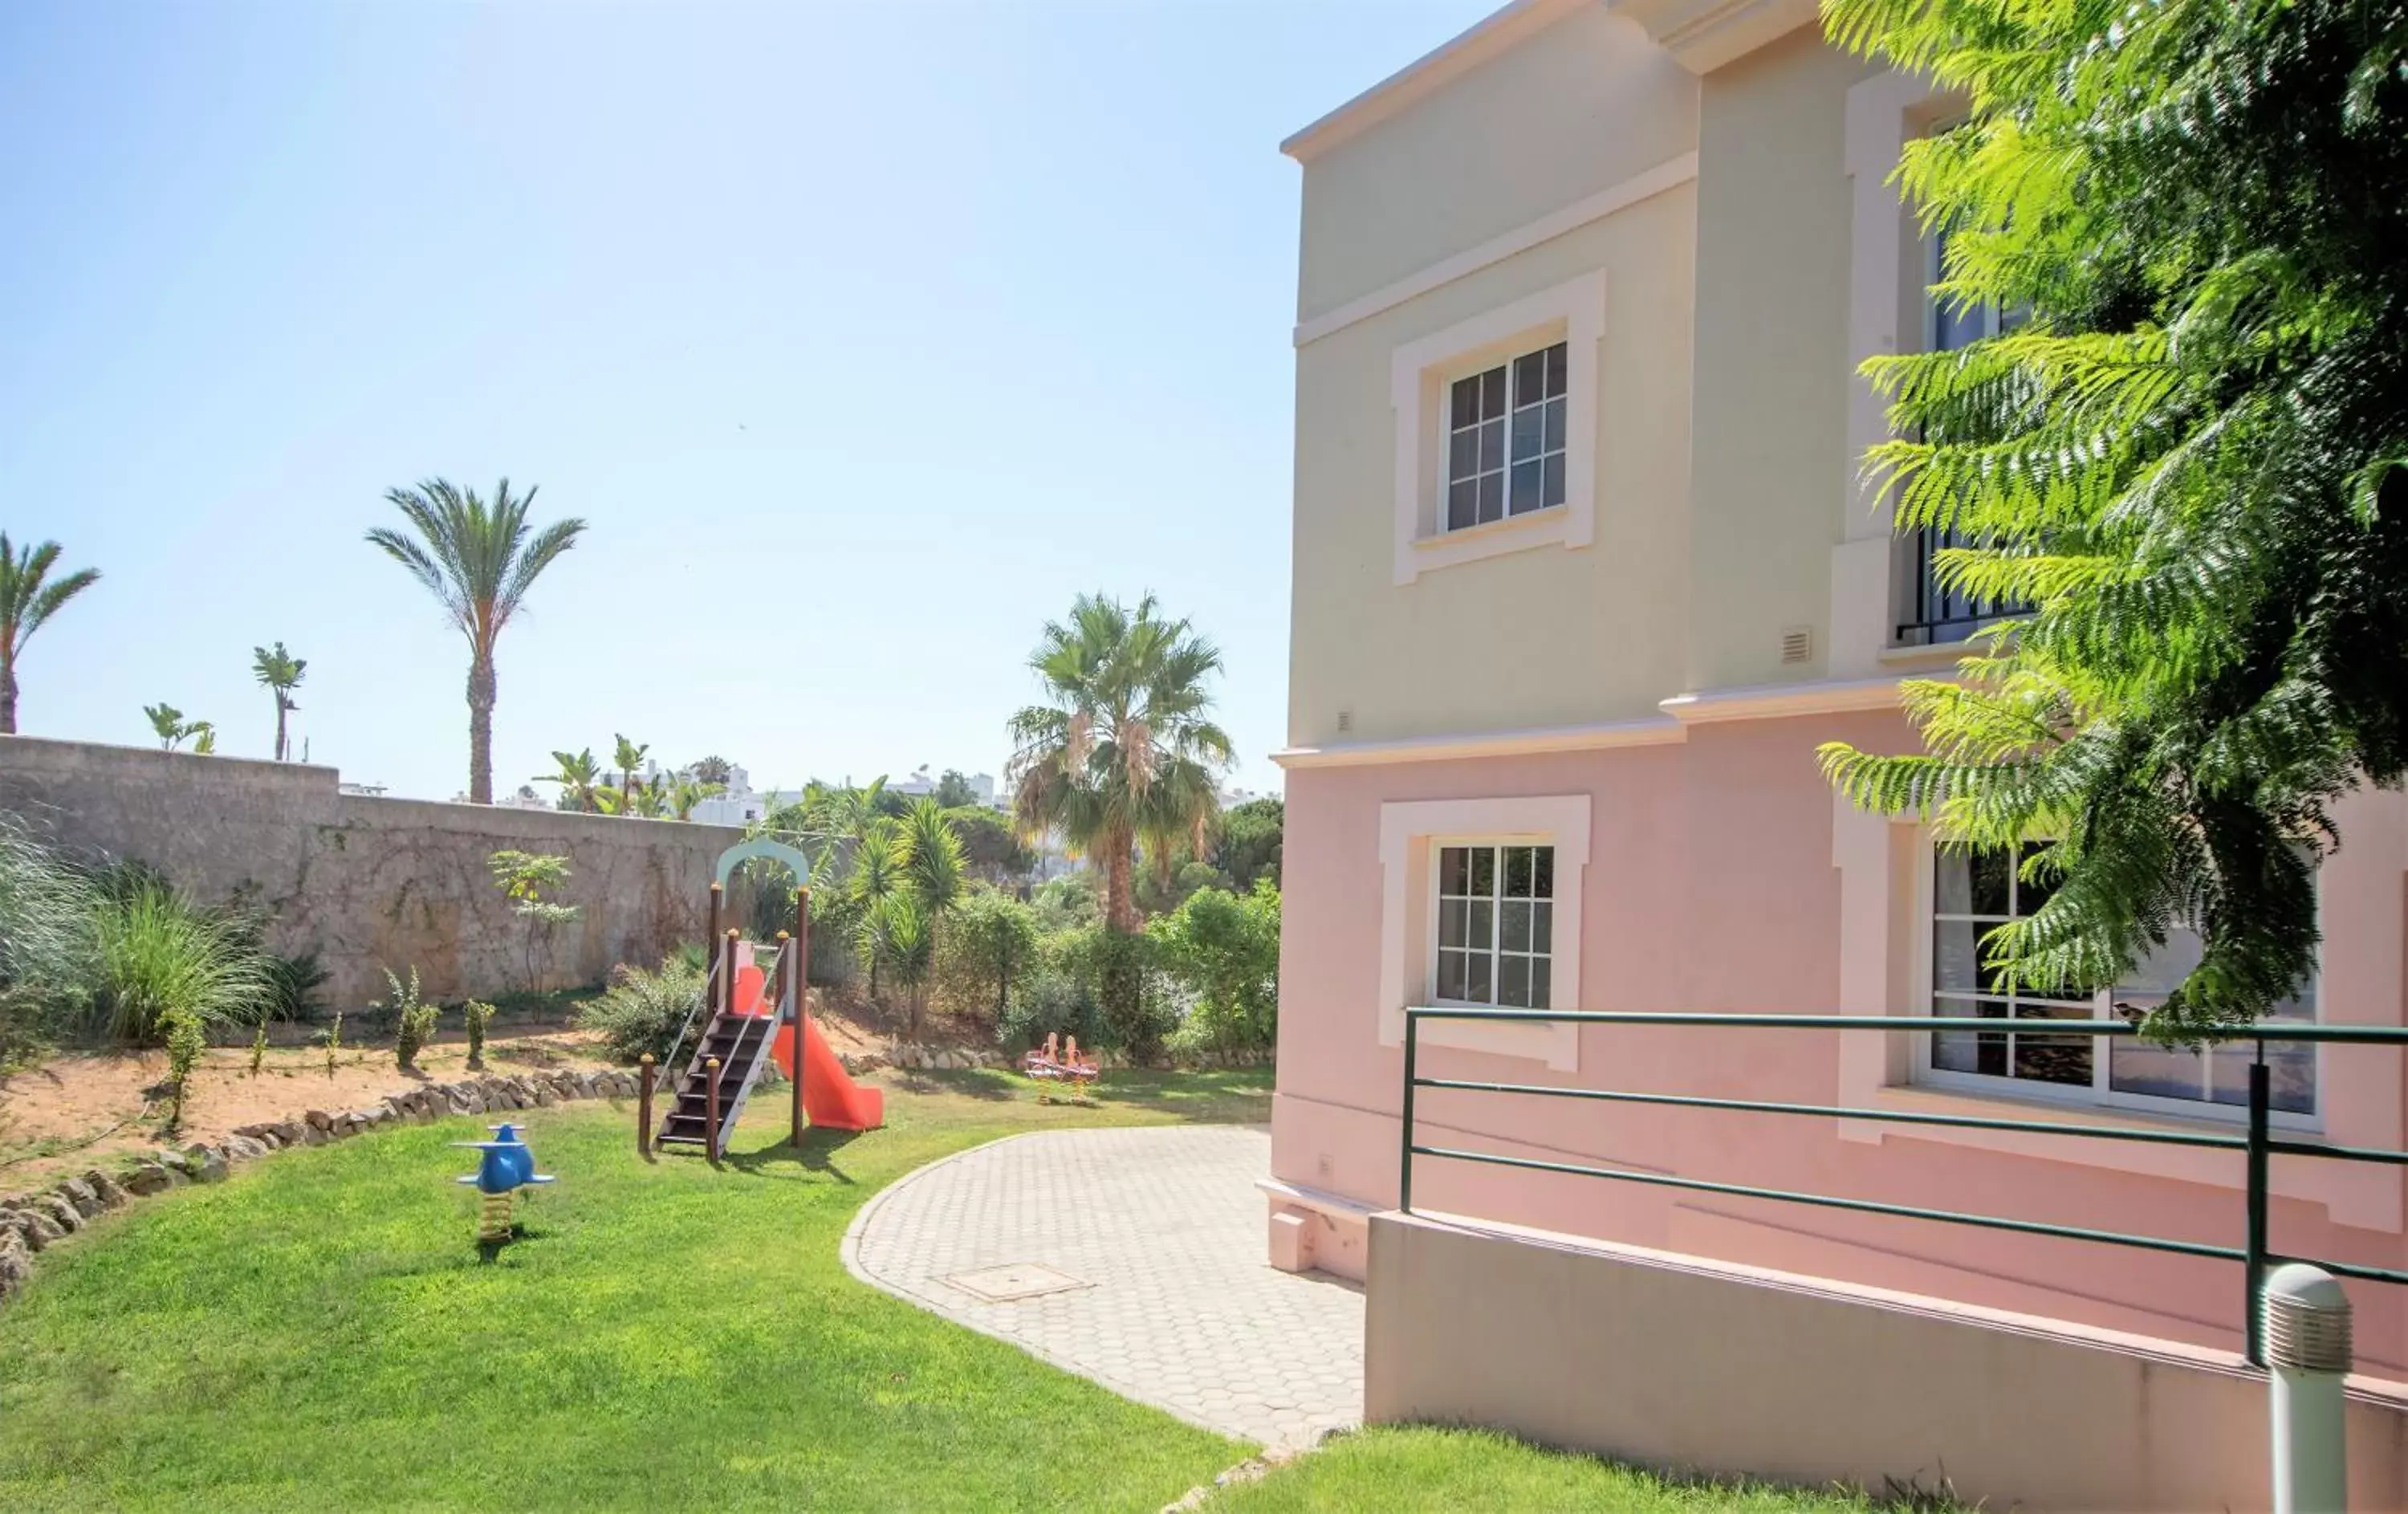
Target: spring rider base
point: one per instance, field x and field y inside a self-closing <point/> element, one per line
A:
<point x="506" y="1167"/>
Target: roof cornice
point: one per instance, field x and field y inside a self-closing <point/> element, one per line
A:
<point x="1448" y="61"/>
<point x="1704" y="34"/>
<point x="1701" y="35"/>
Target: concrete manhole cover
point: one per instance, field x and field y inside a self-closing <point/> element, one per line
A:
<point x="1013" y="1281"/>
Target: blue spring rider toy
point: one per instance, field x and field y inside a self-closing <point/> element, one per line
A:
<point x="507" y="1165"/>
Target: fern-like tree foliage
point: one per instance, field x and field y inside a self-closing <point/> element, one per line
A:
<point x="2185" y="459"/>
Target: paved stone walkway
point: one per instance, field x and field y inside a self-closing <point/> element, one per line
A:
<point x="1134" y="1257"/>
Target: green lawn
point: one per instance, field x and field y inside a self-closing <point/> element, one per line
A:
<point x="1387" y="1471"/>
<point x="320" y="1332"/>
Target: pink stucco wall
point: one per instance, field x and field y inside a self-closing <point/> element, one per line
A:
<point x="1711" y="887"/>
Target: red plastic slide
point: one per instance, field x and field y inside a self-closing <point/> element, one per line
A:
<point x="830" y="1096"/>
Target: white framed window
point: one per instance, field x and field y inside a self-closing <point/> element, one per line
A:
<point x="1505" y="440"/>
<point x="1971" y="893"/>
<point x="1492" y="941"/>
<point x="1495" y="430"/>
<point x="1480" y="905"/>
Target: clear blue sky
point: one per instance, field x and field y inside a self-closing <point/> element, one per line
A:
<point x="865" y="336"/>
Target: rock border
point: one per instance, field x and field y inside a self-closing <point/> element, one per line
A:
<point x="32" y="1222"/>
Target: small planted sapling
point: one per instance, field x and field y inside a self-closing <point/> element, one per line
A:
<point x="413" y="1023"/>
<point x="185" y="1043"/>
<point x="479" y="1014"/>
<point x="528" y="880"/>
<point x="258" y="1046"/>
<point x="333" y="1042"/>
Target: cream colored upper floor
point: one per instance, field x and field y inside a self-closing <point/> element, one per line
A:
<point x="1580" y="302"/>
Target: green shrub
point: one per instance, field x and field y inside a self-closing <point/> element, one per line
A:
<point x="479" y="1014"/>
<point x="156" y="951"/>
<point x="984" y="952"/>
<point x="413" y="1023"/>
<point x="292" y="984"/>
<point x="1098" y="983"/>
<point x="186" y="1040"/>
<point x="640" y="1012"/>
<point x="1222" y="949"/>
<point x="1051" y="1001"/>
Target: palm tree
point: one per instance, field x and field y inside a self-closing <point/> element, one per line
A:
<point x="167" y="724"/>
<point x="1124" y="753"/>
<point x="688" y="792"/>
<point x="280" y="672"/>
<point x="580" y="777"/>
<point x="629" y="756"/>
<point x="928" y="865"/>
<point x="480" y="560"/>
<point x="25" y="602"/>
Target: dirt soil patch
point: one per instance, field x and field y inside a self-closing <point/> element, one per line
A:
<point x="79" y="1110"/>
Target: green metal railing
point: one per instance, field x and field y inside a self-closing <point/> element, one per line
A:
<point x="2257" y="1142"/>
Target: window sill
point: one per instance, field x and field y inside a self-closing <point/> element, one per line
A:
<point x="1551" y="514"/>
<point x="1550" y="527"/>
<point x="2357" y="1194"/>
<point x="1555" y="1042"/>
<point x="1940" y="655"/>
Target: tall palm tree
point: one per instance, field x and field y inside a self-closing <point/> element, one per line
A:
<point x="478" y="561"/>
<point x="628" y="757"/>
<point x="280" y="671"/>
<point x="26" y="601"/>
<point x="580" y="778"/>
<point x="1124" y="752"/>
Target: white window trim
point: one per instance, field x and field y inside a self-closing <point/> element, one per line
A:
<point x="2098" y="1094"/>
<point x="1409" y="832"/>
<point x="1419" y="372"/>
<point x="1878" y="860"/>
<point x="1885" y="293"/>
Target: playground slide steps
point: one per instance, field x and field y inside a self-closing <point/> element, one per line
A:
<point x="741" y="1044"/>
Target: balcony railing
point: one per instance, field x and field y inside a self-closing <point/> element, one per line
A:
<point x="1936" y="615"/>
<point x="2255" y="1145"/>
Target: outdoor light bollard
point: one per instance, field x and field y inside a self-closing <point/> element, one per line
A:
<point x="710" y="1108"/>
<point x="2307" y="1320"/>
<point x="644" y="1105"/>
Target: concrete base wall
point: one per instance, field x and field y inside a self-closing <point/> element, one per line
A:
<point x="370" y="883"/>
<point x="1681" y="1363"/>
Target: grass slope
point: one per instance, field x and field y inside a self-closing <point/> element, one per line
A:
<point x="1399" y="1471"/>
<point x="320" y="1332"/>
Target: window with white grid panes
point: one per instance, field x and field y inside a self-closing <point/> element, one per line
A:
<point x="1505" y="440"/>
<point x="1975" y="892"/>
<point x="1496" y="925"/>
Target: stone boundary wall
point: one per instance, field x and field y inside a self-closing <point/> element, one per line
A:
<point x="32" y="1222"/>
<point x="369" y="881"/>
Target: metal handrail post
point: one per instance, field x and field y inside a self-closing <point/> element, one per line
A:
<point x="1405" y="1158"/>
<point x="2254" y="1267"/>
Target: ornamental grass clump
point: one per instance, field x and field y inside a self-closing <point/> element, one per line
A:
<point x="155" y="951"/>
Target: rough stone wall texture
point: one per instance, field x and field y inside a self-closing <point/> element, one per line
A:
<point x="369" y="881"/>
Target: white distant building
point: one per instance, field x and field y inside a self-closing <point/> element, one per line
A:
<point x="921" y="781"/>
<point x="525" y="797"/>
